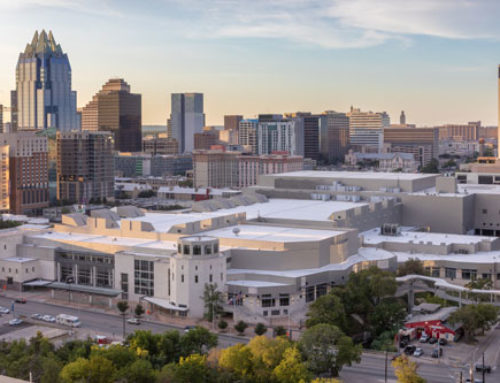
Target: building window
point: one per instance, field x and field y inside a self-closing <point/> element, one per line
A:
<point x="196" y="250"/>
<point x="195" y="279"/>
<point x="284" y="300"/>
<point x="210" y="278"/>
<point x="268" y="301"/>
<point x="469" y="274"/>
<point x="208" y="249"/>
<point x="144" y="277"/>
<point x="104" y="277"/>
<point x="450" y="273"/>
<point x="124" y="285"/>
<point x="33" y="268"/>
<point x="187" y="250"/>
<point x="309" y="294"/>
<point x="485" y="211"/>
<point x="83" y="277"/>
<point x="182" y="278"/>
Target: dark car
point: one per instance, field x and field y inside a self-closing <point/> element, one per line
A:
<point x="480" y="368"/>
<point x="20" y="300"/>
<point x="409" y="350"/>
<point x="403" y="343"/>
<point x="443" y="342"/>
<point x="433" y="341"/>
<point x="437" y="352"/>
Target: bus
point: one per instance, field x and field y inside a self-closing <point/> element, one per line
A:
<point x="68" y="320"/>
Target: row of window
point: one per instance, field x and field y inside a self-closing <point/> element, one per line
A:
<point x="451" y="273"/>
<point x="26" y="270"/>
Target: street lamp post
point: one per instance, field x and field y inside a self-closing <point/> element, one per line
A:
<point x="69" y="281"/>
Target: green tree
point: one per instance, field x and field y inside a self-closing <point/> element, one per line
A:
<point x="406" y="371"/>
<point x="327" y="309"/>
<point x="51" y="368"/>
<point x="119" y="355"/>
<point x="260" y="329"/>
<point x="327" y="349"/>
<point x="280" y="331"/>
<point x="388" y="315"/>
<point x="237" y="359"/>
<point x="431" y="167"/>
<point x="95" y="370"/>
<point x="222" y="325"/>
<point x="212" y="299"/>
<point x="123" y="308"/>
<point x="192" y="369"/>
<point x="241" y="326"/>
<point x="474" y="317"/>
<point x="139" y="311"/>
<point x="197" y="341"/>
<point x="140" y="371"/>
<point x="411" y="266"/>
<point x="291" y="368"/>
<point x="76" y="371"/>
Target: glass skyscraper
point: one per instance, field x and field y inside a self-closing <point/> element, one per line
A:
<point x="44" y="98"/>
<point x="186" y="118"/>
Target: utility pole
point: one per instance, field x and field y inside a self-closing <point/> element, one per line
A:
<point x="484" y="370"/>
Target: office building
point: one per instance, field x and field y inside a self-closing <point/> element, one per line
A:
<point x="159" y="145"/>
<point x="248" y="134"/>
<point x="457" y="132"/>
<point x="145" y="164"/>
<point x="334" y="136"/>
<point x="13" y="111"/>
<point x="231" y="128"/>
<point x="215" y="168"/>
<point x="114" y="109"/>
<point x="44" y="98"/>
<point x="186" y="119"/>
<point x="366" y="129"/>
<point x="250" y="167"/>
<point x="205" y="139"/>
<point x="281" y="136"/>
<point x="311" y="125"/>
<point x="1" y="119"/>
<point x="85" y="168"/>
<point x="4" y="179"/>
<point x="423" y="143"/>
<point x="28" y="173"/>
<point x="402" y="118"/>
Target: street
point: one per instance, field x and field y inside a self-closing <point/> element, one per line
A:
<point x="102" y="323"/>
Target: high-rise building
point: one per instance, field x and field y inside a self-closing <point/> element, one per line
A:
<point x="4" y="179"/>
<point x="248" y="134"/>
<point x="186" y="119"/>
<point x="44" y="98"/>
<point x="423" y="143"/>
<point x="13" y="111"/>
<point x="366" y="129"/>
<point x="1" y="118"/>
<point x="215" y="168"/>
<point x="231" y="125"/>
<point x="159" y="145"/>
<point x="114" y="109"/>
<point x="85" y="166"/>
<point x="309" y="133"/>
<point x="460" y="132"/>
<point x="334" y="136"/>
<point x="205" y="139"/>
<point x="28" y="174"/>
<point x="281" y="136"/>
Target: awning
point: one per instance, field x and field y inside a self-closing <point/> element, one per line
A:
<point x="164" y="304"/>
<point x="37" y="283"/>
<point x="85" y="289"/>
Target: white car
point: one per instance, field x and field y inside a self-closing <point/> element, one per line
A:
<point x="134" y="321"/>
<point x="4" y="310"/>
<point x="15" y="322"/>
<point x="49" y="318"/>
<point x="424" y="338"/>
<point x="418" y="352"/>
<point x="37" y="316"/>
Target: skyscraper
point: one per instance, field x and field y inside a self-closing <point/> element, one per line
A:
<point x="116" y="110"/>
<point x="43" y="96"/>
<point x="231" y="126"/>
<point x="366" y="129"/>
<point x="247" y="135"/>
<point x="402" y="118"/>
<point x="334" y="136"/>
<point x="186" y="119"/>
<point x="85" y="166"/>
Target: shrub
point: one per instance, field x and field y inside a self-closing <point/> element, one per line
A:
<point x="260" y="329"/>
<point x="240" y="327"/>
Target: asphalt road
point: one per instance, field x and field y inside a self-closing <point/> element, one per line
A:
<point x="105" y="324"/>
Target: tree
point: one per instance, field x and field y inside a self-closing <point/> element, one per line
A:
<point x="237" y="359"/>
<point x="411" y="266"/>
<point x="139" y="311"/>
<point x="327" y="349"/>
<point x="146" y="194"/>
<point x="212" y="299"/>
<point x="222" y="325"/>
<point x="406" y="371"/>
<point x="280" y="331"/>
<point x="198" y="340"/>
<point x="327" y="309"/>
<point x="192" y="369"/>
<point x="240" y="327"/>
<point x="474" y="317"/>
<point x="431" y="167"/>
<point x="95" y="370"/>
<point x="291" y="369"/>
<point x="388" y="315"/>
<point x="140" y="371"/>
<point x="123" y="308"/>
<point x="260" y="329"/>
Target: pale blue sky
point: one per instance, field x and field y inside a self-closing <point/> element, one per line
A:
<point x="436" y="59"/>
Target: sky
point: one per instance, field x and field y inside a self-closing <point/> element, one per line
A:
<point x="435" y="59"/>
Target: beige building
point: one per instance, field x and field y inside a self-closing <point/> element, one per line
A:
<point x="366" y="129"/>
<point x="423" y="143"/>
<point x="4" y="179"/>
<point x="215" y="168"/>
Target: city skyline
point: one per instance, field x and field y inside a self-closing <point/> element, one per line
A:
<point x="430" y="59"/>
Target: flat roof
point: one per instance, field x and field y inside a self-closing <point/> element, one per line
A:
<point x="373" y="237"/>
<point x="356" y="175"/>
<point x="461" y="259"/>
<point x="249" y="283"/>
<point x="273" y="233"/>
<point x="19" y="260"/>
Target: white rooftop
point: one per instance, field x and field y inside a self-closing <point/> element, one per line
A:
<point x="373" y="237"/>
<point x="203" y="191"/>
<point x="356" y="175"/>
<point x="481" y="257"/>
<point x="248" y="283"/>
<point x="19" y="260"/>
<point x="273" y="233"/>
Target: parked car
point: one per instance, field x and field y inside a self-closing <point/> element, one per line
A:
<point x="188" y="328"/>
<point x="4" y="310"/>
<point x="49" y="318"/>
<point x="37" y="316"/>
<point x="475" y="380"/>
<point x="437" y="352"/>
<point x="424" y="338"/>
<point x="433" y="341"/>
<point x="403" y="343"/>
<point x="418" y="352"/>
<point x="134" y="321"/>
<point x="20" y="300"/>
<point x="15" y="322"/>
<point x="409" y="350"/>
<point x="443" y="342"/>
<point x="480" y="368"/>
